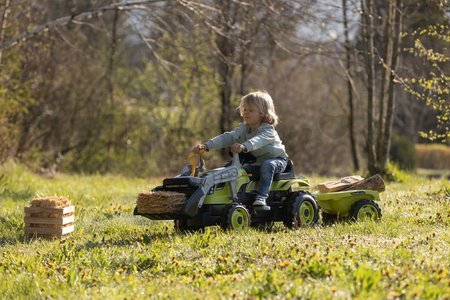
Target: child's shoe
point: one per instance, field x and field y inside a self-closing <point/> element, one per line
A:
<point x="260" y="204"/>
<point x="259" y="201"/>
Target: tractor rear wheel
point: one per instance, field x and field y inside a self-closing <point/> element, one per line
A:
<point x="302" y="211"/>
<point x="365" y="210"/>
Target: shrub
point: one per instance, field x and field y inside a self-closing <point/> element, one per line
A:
<point x="402" y="152"/>
<point x="433" y="156"/>
<point x="396" y="174"/>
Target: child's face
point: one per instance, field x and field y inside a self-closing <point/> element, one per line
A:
<point x="251" y="115"/>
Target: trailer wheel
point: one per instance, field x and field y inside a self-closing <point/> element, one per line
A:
<point x="302" y="211"/>
<point x="238" y="218"/>
<point x="365" y="210"/>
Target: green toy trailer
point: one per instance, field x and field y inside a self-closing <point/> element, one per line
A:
<point x="355" y="204"/>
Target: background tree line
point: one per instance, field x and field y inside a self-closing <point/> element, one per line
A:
<point x="130" y="87"/>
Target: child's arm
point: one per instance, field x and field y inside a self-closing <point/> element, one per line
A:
<point x="266" y="136"/>
<point x="226" y="139"/>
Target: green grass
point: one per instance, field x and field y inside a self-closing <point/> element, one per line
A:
<point x="113" y="254"/>
<point x="434" y="173"/>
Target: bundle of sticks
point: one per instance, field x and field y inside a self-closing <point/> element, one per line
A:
<point x="160" y="202"/>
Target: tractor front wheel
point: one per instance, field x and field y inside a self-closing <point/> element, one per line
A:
<point x="365" y="210"/>
<point x="238" y="218"/>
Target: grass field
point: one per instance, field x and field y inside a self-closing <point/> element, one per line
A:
<point x="115" y="255"/>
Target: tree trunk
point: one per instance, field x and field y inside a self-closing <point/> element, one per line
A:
<point x="378" y="149"/>
<point x="110" y="82"/>
<point x="351" y="117"/>
<point x="3" y="26"/>
<point x="226" y="89"/>
<point x="226" y="68"/>
<point x="386" y="60"/>
<point x="244" y="67"/>
<point x="391" y="91"/>
<point x="370" y="69"/>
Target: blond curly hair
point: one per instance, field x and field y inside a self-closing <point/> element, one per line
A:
<point x="264" y="103"/>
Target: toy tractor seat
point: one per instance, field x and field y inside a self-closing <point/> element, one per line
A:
<point x="249" y="158"/>
<point x="288" y="173"/>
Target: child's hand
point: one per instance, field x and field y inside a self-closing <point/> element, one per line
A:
<point x="199" y="148"/>
<point x="237" y="148"/>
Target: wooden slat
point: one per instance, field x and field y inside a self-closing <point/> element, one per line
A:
<point x="61" y="211"/>
<point x="59" y="221"/>
<point x="49" y="230"/>
<point x="67" y="229"/>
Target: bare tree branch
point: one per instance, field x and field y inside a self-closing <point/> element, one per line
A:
<point x="75" y="18"/>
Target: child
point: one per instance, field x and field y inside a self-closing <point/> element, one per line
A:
<point x="256" y="135"/>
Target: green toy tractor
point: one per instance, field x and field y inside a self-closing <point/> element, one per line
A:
<point x="224" y="197"/>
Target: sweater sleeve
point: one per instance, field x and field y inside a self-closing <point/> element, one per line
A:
<point x="264" y="137"/>
<point x="226" y="139"/>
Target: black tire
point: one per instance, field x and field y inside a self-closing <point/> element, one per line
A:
<point x="183" y="226"/>
<point x="329" y="219"/>
<point x="302" y="211"/>
<point x="238" y="217"/>
<point x="365" y="209"/>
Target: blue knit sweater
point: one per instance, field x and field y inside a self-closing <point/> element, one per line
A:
<point x="263" y="142"/>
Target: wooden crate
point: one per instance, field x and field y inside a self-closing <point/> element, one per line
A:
<point x="49" y="222"/>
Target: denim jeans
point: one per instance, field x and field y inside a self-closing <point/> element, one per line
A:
<point x="268" y="168"/>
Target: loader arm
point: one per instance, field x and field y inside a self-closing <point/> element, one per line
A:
<point x="229" y="174"/>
